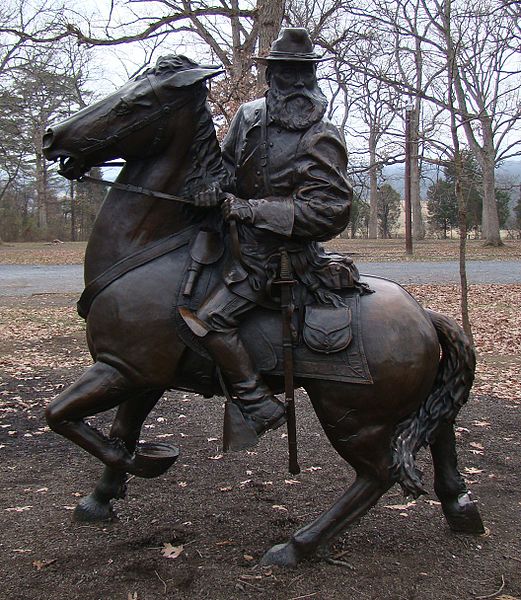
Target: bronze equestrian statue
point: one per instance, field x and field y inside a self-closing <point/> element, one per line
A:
<point x="376" y="378"/>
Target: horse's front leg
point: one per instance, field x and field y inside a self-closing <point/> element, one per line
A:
<point x="99" y="389"/>
<point x="97" y="506"/>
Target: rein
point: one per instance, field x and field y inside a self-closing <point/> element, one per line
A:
<point x="135" y="189"/>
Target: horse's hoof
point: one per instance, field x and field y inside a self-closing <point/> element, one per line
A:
<point x="463" y="515"/>
<point x="281" y="555"/>
<point x="91" y="509"/>
<point x="152" y="460"/>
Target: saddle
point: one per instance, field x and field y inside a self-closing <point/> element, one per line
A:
<point x="327" y="341"/>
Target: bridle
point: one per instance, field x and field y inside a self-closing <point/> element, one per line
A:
<point x="165" y="108"/>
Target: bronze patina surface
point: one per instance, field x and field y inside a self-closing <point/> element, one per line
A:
<point x="284" y="197"/>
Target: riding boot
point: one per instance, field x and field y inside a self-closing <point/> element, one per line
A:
<point x="259" y="406"/>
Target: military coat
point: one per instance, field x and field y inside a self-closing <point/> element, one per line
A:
<point x="297" y="185"/>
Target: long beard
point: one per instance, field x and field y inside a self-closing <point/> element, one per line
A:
<point x="297" y="110"/>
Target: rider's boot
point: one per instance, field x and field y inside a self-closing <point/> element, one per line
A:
<point x="260" y="407"/>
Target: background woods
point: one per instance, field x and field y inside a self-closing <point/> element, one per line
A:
<point x="438" y="61"/>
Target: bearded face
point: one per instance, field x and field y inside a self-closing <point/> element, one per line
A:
<point x="294" y="100"/>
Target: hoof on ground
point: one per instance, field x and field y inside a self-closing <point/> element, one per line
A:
<point x="463" y="515"/>
<point x="91" y="510"/>
<point x="281" y="555"/>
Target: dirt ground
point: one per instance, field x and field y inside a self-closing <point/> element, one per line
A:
<point x="222" y="513"/>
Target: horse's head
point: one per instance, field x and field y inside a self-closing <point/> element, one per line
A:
<point x="133" y="123"/>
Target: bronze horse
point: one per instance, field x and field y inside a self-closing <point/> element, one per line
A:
<point x="160" y="124"/>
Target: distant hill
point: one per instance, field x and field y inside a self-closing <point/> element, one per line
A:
<point x="508" y="173"/>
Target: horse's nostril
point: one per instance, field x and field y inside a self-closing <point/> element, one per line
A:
<point x="48" y="138"/>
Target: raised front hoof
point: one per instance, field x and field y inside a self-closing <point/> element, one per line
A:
<point x="153" y="459"/>
<point x="281" y="555"/>
<point x="91" y="509"/>
<point x="463" y="515"/>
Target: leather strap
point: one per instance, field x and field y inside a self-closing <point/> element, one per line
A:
<point x="123" y="266"/>
<point x="264" y="147"/>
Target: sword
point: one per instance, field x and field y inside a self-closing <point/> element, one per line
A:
<point x="286" y="282"/>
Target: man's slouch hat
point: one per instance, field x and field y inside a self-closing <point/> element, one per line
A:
<point x="293" y="44"/>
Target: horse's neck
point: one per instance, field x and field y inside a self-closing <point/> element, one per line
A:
<point x="129" y="221"/>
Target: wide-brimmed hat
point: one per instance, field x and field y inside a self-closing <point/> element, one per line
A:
<point x="293" y="44"/>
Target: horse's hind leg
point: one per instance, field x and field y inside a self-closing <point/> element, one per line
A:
<point x="368" y="450"/>
<point x="460" y="511"/>
<point x="112" y="484"/>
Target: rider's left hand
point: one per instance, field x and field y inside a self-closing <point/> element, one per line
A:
<point x="237" y="209"/>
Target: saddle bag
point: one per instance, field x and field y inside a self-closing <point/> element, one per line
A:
<point x="206" y="249"/>
<point x="327" y="329"/>
<point x="338" y="274"/>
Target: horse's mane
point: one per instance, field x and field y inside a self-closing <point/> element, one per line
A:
<point x="170" y="63"/>
<point x="206" y="166"/>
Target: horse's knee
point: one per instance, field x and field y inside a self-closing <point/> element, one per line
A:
<point x="55" y="415"/>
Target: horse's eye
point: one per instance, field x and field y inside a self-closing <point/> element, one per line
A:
<point x="122" y="108"/>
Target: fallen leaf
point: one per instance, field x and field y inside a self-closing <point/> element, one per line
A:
<point x="292" y="482"/>
<point x="472" y="470"/>
<point x="279" y="507"/>
<point x="170" y="551"/>
<point x="227" y="488"/>
<point x="41" y="564"/>
<point x="476" y="445"/>
<point x="248" y="557"/>
<point x="400" y="506"/>
<point x="18" y="508"/>
<point x="216" y="457"/>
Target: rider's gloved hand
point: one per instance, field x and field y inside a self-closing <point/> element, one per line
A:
<point x="237" y="209"/>
<point x="208" y="196"/>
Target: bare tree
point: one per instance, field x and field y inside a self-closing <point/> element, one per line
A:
<point x="229" y="30"/>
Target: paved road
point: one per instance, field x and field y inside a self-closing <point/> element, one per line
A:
<point x="25" y="280"/>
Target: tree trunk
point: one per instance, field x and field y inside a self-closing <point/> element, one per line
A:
<point x="490" y="218"/>
<point x="271" y="13"/>
<point x="418" y="228"/>
<point x="41" y="193"/>
<point x="73" y="213"/>
<point x="373" y="189"/>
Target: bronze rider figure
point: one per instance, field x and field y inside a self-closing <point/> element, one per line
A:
<point x="288" y="188"/>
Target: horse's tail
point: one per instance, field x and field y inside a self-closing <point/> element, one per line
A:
<point x="449" y="393"/>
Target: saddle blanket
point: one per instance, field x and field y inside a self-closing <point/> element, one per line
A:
<point x="349" y="365"/>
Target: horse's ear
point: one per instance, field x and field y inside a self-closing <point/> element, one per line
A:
<point x="191" y="76"/>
